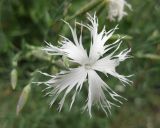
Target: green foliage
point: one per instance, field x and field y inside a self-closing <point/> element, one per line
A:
<point x="26" y="24"/>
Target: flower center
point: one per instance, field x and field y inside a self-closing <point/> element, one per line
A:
<point x="87" y="66"/>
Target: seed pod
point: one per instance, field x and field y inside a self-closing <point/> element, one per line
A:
<point x="14" y="77"/>
<point x="23" y="98"/>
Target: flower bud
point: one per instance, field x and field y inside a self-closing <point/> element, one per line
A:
<point x="14" y="77"/>
<point x="23" y="98"/>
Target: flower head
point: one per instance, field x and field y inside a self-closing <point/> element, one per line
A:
<point x="74" y="78"/>
<point x="116" y="9"/>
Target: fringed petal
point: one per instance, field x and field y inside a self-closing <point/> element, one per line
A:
<point x="65" y="82"/>
<point x="96" y="94"/>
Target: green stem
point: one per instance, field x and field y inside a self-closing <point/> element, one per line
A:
<point x="149" y="56"/>
<point x="85" y="9"/>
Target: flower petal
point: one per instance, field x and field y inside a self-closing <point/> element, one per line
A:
<point x="108" y="65"/>
<point x="116" y="9"/>
<point x="66" y="81"/>
<point x="96" y="94"/>
<point x="73" y="50"/>
<point x="98" y="46"/>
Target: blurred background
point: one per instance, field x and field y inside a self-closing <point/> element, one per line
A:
<point x="26" y="24"/>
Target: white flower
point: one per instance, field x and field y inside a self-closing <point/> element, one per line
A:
<point x="74" y="78"/>
<point x="116" y="9"/>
